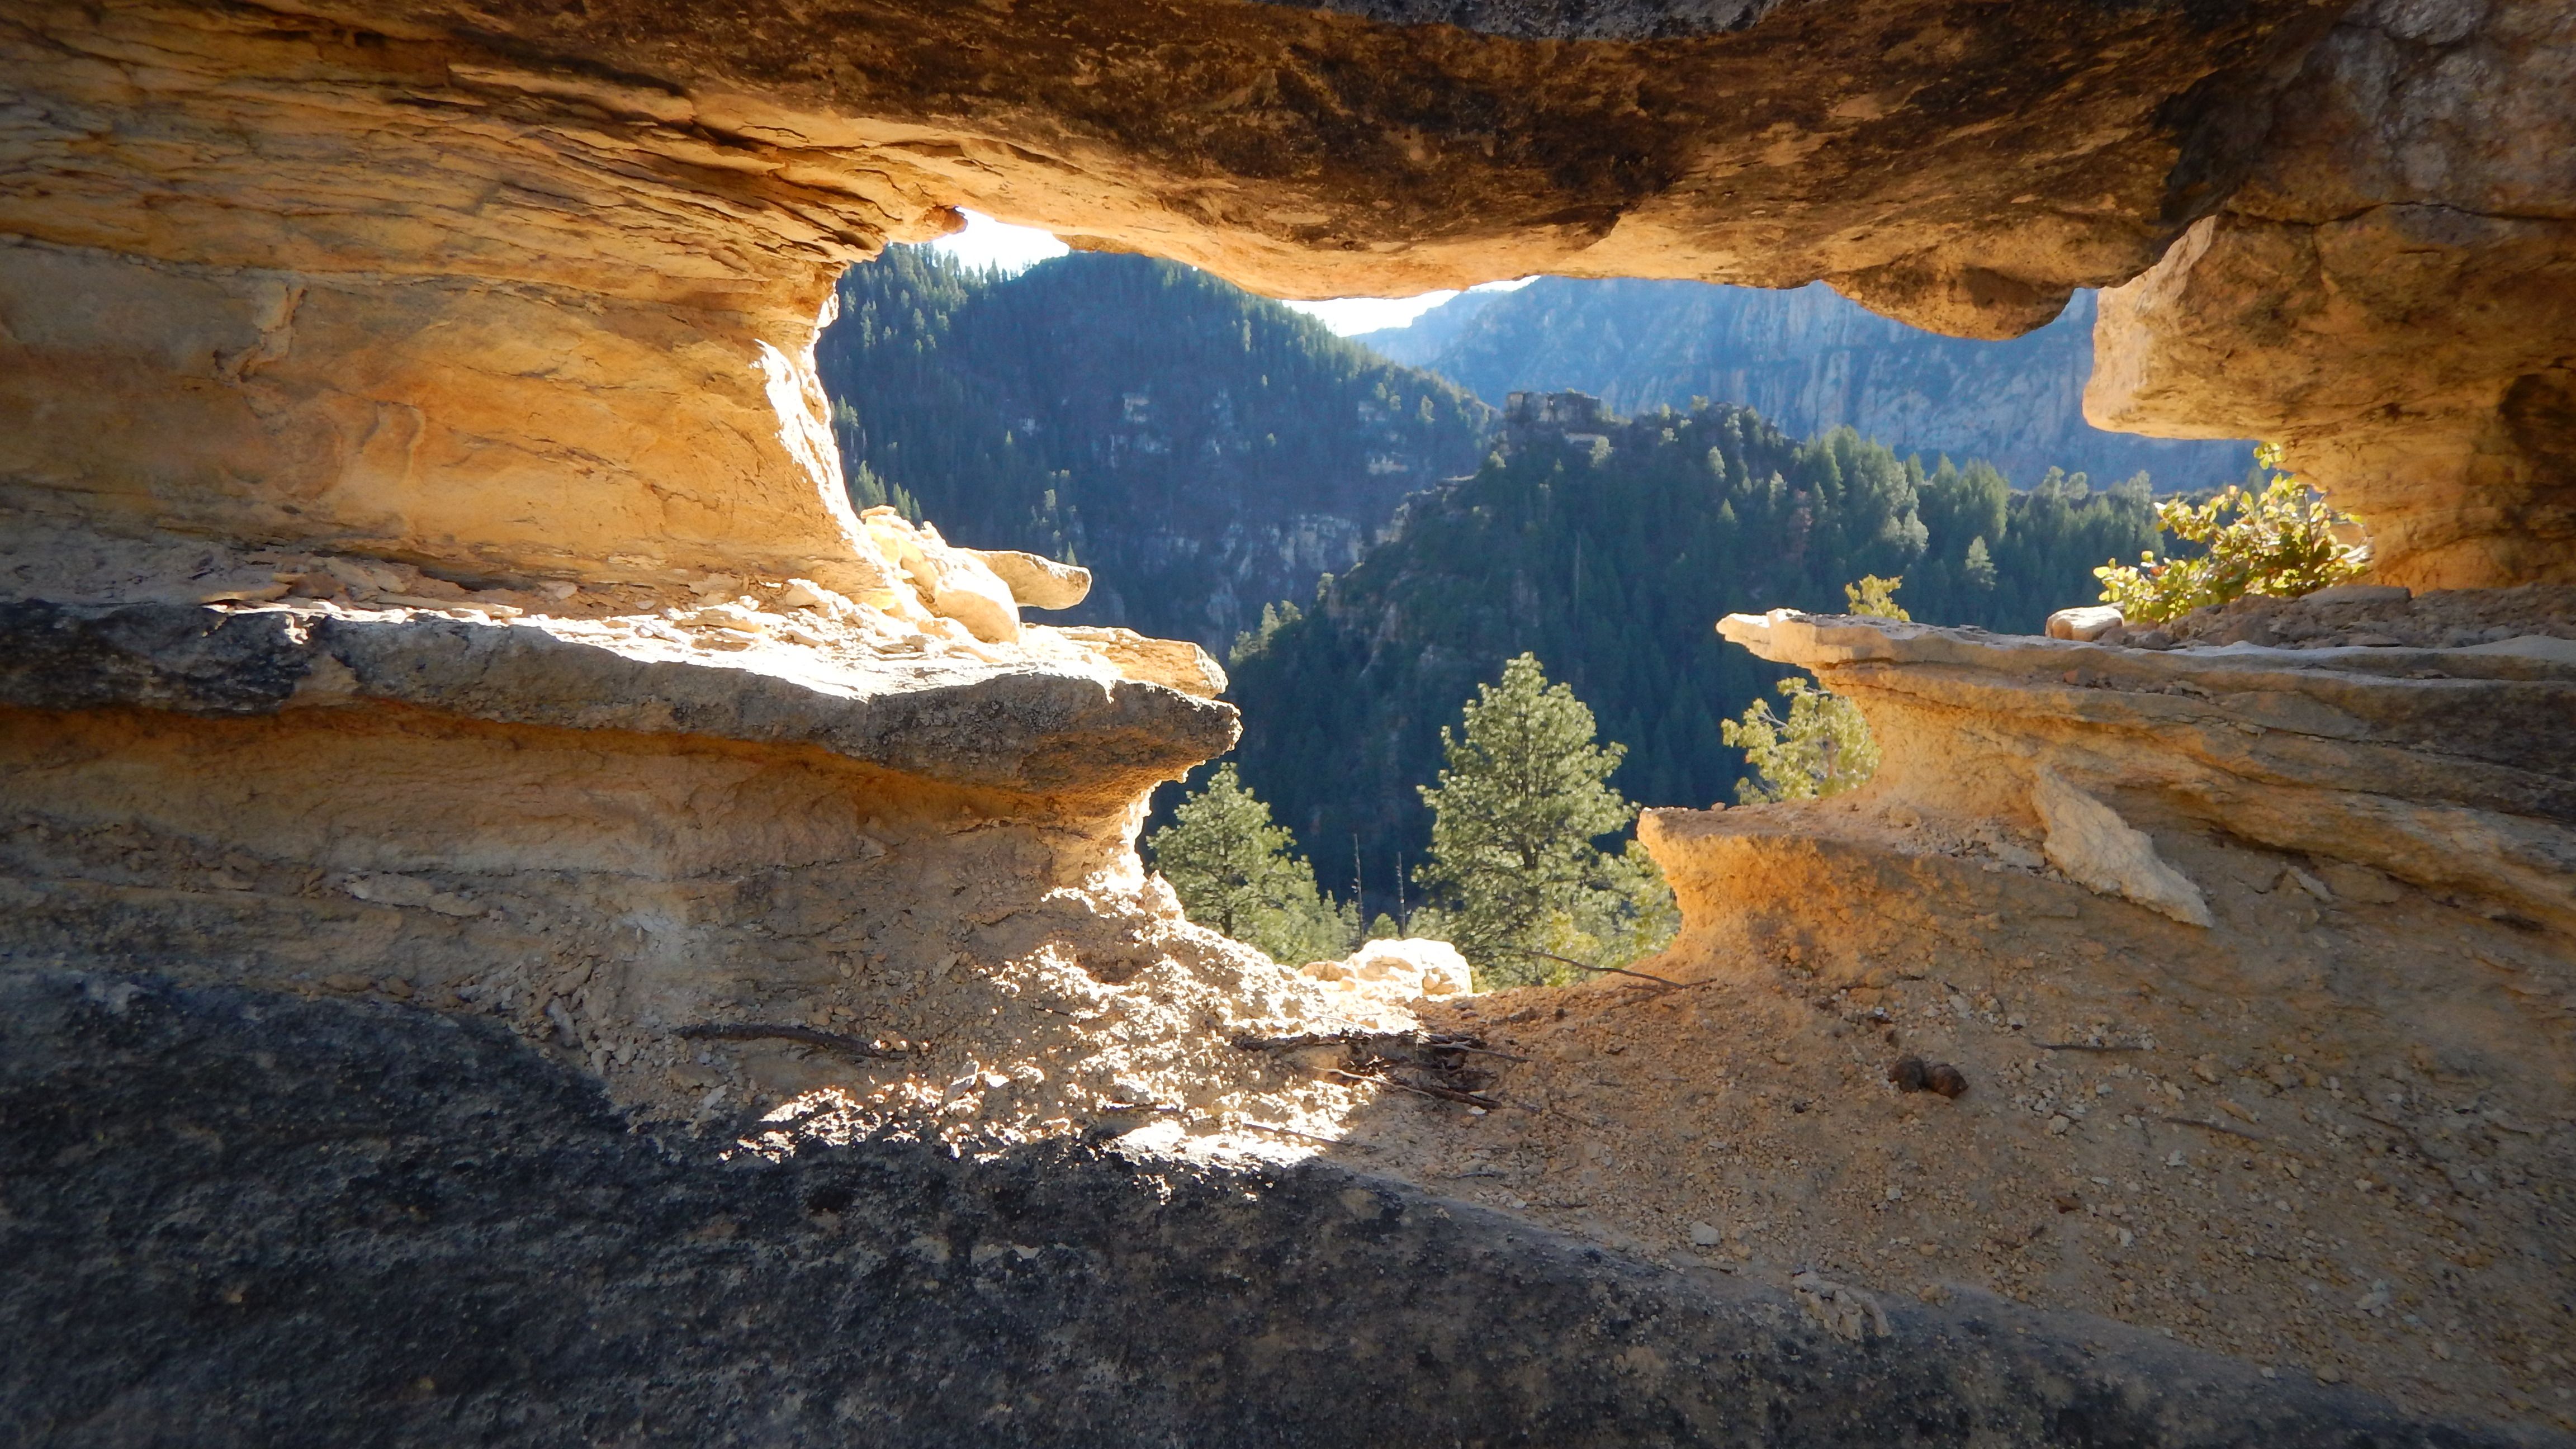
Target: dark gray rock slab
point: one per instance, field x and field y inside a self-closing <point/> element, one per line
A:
<point x="238" y="1218"/>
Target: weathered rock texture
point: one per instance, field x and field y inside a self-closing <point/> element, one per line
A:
<point x="520" y="290"/>
<point x="2256" y="959"/>
<point x="2450" y="768"/>
<point x="611" y="842"/>
<point x="529" y="291"/>
<point x="2391" y="294"/>
<point x="429" y="581"/>
<point x="338" y="1223"/>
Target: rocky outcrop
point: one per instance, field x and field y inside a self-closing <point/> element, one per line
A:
<point x="572" y="340"/>
<point x="523" y="292"/>
<point x="613" y="816"/>
<point x="2388" y="295"/>
<point x="2447" y="768"/>
<point x="433" y="608"/>
<point x="2254" y="964"/>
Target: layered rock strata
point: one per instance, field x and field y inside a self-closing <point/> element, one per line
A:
<point x="621" y="820"/>
<point x="2445" y="768"/>
<point x="524" y="292"/>
<point x="432" y="609"/>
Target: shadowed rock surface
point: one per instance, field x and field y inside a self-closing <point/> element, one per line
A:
<point x="240" y="1218"/>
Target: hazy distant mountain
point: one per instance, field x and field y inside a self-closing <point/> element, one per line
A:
<point x="1808" y="361"/>
<point x="1423" y="339"/>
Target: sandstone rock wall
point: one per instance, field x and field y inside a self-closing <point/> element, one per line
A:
<point x="2255" y="963"/>
<point x="2391" y="294"/>
<point x="427" y="584"/>
<point x="523" y="292"/>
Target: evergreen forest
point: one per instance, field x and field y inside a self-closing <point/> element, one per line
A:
<point x="1611" y="557"/>
<point x="1203" y="450"/>
<point x="1370" y="551"/>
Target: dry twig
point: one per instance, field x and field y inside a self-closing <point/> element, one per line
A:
<point x="2216" y="1127"/>
<point x="781" y="1031"/>
<point x="1430" y="1041"/>
<point x="1588" y="966"/>
<point x="1445" y="1094"/>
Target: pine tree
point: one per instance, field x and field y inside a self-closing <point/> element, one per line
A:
<point x="1978" y="567"/>
<point x="1522" y="886"/>
<point x="1238" y="873"/>
<point x="1822" y="748"/>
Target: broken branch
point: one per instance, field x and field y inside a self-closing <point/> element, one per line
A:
<point x="1588" y="966"/>
<point x="758" y="1031"/>
<point x="2216" y="1127"/>
<point x="1445" y="1094"/>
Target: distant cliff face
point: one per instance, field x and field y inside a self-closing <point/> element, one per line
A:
<point x="1203" y="450"/>
<point x="1809" y="361"/>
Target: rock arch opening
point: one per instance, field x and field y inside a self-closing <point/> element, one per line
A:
<point x="429" y="598"/>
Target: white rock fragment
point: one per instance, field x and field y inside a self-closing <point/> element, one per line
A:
<point x="1433" y="968"/>
<point x="959" y="586"/>
<point x="1845" y="1312"/>
<point x="368" y="576"/>
<point x="736" y="616"/>
<point x="801" y="594"/>
<point x="2089" y="622"/>
<point x="241" y="587"/>
<point x="2096" y="848"/>
<point x="403" y="890"/>
<point x="1396" y="972"/>
<point x="953" y="582"/>
<point x="1035" y="581"/>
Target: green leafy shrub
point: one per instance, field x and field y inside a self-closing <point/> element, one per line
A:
<point x="2279" y="542"/>
<point x="1876" y="597"/>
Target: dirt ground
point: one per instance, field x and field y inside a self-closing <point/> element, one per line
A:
<point x="2286" y="1173"/>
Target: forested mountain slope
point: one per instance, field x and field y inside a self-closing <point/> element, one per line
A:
<point x="1203" y="450"/>
<point x="1808" y="361"/>
<point x="1613" y="560"/>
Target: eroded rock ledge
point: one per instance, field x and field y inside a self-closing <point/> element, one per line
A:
<point x="1052" y="732"/>
<point x="2255" y="963"/>
<point x="2451" y="768"/>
